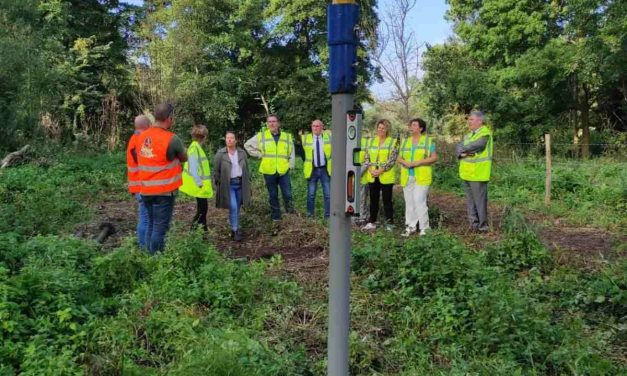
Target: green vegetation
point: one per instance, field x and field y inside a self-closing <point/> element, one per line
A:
<point x="427" y="305"/>
<point x="584" y="193"/>
<point x="73" y="73"/>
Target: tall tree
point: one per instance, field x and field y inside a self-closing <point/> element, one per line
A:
<point x="535" y="65"/>
<point x="398" y="54"/>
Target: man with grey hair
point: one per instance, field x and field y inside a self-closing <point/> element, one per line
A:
<point x="475" y="166"/>
<point x="142" y="123"/>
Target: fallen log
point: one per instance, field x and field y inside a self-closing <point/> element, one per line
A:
<point x="11" y="157"/>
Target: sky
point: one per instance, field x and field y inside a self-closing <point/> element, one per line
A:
<point x="426" y="20"/>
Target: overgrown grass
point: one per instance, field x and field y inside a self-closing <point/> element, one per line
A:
<point x="506" y="310"/>
<point x="68" y="309"/>
<point x="53" y="195"/>
<point x="427" y="305"/>
<point x="592" y="192"/>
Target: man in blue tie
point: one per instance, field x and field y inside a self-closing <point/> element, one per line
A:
<point x="317" y="166"/>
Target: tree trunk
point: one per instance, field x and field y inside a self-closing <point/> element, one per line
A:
<point x="12" y="157"/>
<point x="585" y="124"/>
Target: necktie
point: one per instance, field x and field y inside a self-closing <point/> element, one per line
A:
<point x="318" y="158"/>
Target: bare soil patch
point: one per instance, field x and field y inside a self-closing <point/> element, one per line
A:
<point x="302" y="243"/>
<point x="577" y="243"/>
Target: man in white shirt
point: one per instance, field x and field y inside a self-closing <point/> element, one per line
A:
<point x="317" y="166"/>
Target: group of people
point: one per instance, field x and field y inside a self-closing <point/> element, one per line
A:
<point x="159" y="166"/>
<point x="415" y="156"/>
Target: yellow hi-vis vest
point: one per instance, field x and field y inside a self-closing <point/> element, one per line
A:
<point x="423" y="174"/>
<point x="362" y="159"/>
<point x="309" y="147"/>
<point x="189" y="186"/>
<point x="479" y="166"/>
<point x="275" y="155"/>
<point x="378" y="157"/>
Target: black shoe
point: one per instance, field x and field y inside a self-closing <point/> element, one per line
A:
<point x="237" y="236"/>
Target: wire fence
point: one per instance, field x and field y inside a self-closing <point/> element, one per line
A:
<point x="535" y="161"/>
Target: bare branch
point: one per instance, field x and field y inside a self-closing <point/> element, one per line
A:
<point x="398" y="53"/>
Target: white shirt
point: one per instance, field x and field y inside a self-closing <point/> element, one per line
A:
<point x="236" y="170"/>
<point x="323" y="159"/>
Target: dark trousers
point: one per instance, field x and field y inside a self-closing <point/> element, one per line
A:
<point x="200" y="218"/>
<point x="319" y="174"/>
<point x="477" y="204"/>
<point x="273" y="182"/>
<point x="159" y="210"/>
<point x="376" y="189"/>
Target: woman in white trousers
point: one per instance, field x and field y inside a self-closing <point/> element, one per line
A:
<point x="416" y="157"/>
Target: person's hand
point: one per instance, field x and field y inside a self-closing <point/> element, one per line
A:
<point x="416" y="164"/>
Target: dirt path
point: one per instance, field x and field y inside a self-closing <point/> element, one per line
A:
<point x="303" y="243"/>
<point x="570" y="244"/>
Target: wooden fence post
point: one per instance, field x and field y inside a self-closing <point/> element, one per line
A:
<point x="547" y="183"/>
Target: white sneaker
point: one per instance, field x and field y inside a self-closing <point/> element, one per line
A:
<point x="423" y="232"/>
<point x="408" y="231"/>
<point x="369" y="226"/>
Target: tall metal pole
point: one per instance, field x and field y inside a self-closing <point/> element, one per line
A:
<point x="340" y="243"/>
<point x="342" y="18"/>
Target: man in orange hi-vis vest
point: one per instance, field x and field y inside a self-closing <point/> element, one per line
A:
<point x="134" y="184"/>
<point x="160" y="156"/>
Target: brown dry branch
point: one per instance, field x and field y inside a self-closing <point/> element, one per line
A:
<point x="13" y="157"/>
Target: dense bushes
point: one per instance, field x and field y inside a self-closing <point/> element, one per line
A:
<point x="498" y="311"/>
<point x="67" y="309"/>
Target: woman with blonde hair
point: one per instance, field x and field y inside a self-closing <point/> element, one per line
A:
<point x="380" y="162"/>
<point x="197" y="176"/>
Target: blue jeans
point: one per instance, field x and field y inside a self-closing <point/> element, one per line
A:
<point x="159" y="210"/>
<point x="321" y="174"/>
<point x="142" y="222"/>
<point x="273" y="182"/>
<point x="235" y="189"/>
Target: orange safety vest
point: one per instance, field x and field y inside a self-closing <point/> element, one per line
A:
<point x="156" y="173"/>
<point x="132" y="169"/>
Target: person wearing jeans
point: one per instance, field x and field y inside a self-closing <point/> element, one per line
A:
<point x="160" y="153"/>
<point x="273" y="183"/>
<point x="232" y="181"/>
<point x="317" y="166"/>
<point x="134" y="183"/>
<point x="159" y="210"/>
<point x="416" y="157"/>
<point x="142" y="223"/>
<point x="276" y="150"/>
<point x="319" y="174"/>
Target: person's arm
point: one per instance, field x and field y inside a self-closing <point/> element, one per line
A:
<point x="300" y="148"/>
<point x="292" y="154"/>
<point x="458" y="149"/>
<point x="193" y="164"/>
<point x="176" y="150"/>
<point x="252" y="147"/>
<point x="391" y="159"/>
<point x="475" y="147"/>
<point x="217" y="166"/>
<point x="366" y="159"/>
<point x="134" y="154"/>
